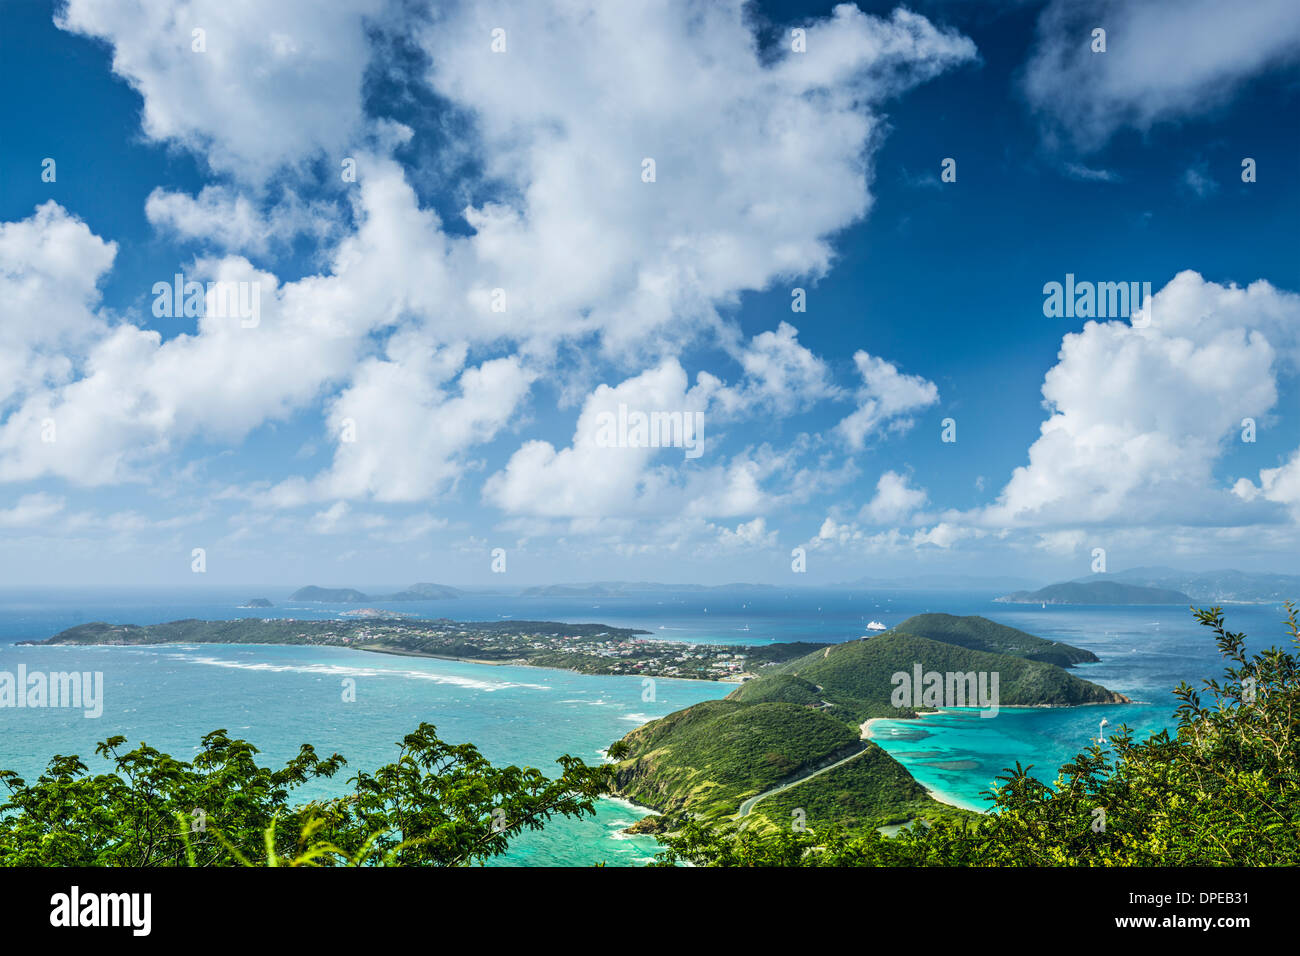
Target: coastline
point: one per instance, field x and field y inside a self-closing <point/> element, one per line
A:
<point x="942" y="796"/>
<point x="865" y="727"/>
<point x="397" y="652"/>
<point x="951" y="800"/>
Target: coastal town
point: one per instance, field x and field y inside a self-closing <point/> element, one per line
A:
<point x="548" y="644"/>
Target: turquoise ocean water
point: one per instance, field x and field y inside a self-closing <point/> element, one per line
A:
<point x="281" y="697"/>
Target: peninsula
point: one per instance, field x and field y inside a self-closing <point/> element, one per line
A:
<point x="585" y="648"/>
<point x="795" y="738"/>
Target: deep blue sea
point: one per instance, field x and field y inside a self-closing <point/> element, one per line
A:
<point x="281" y="697"/>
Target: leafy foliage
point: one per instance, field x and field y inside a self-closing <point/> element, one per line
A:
<point x="437" y="804"/>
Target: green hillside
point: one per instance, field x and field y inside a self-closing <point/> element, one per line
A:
<point x="783" y="688"/>
<point x="857" y="677"/>
<point x="709" y="757"/>
<point x="981" y="634"/>
<point x="805" y="716"/>
<point x="873" y="790"/>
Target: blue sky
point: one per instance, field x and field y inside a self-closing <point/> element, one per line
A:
<point x="128" y="440"/>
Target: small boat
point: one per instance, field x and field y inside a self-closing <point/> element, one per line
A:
<point x="876" y="626"/>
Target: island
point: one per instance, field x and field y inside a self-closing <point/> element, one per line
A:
<point x="256" y="602"/>
<point x="423" y="592"/>
<point x="623" y="588"/>
<point x="585" y="648"/>
<point x="328" y="595"/>
<point x="1096" y="592"/>
<point x="416" y="592"/>
<point x="795" y="739"/>
<point x="1224" y="586"/>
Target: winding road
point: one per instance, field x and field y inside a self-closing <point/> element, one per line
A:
<point x="748" y="805"/>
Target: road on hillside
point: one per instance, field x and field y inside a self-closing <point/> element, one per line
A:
<point x="748" y="805"/>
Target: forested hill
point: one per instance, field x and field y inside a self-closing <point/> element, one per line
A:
<point x="981" y="634"/>
<point x="805" y="715"/>
<point x="856" y="678"/>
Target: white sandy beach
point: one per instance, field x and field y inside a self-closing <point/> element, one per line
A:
<point x="942" y="796"/>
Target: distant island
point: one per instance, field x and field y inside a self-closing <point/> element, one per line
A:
<point x="796" y="736"/>
<point x="257" y="602"/>
<point x="938" y="582"/>
<point x="613" y="588"/>
<point x="1096" y="592"/>
<point x="328" y="595"/>
<point x="1227" y="586"/>
<point x="416" y="592"/>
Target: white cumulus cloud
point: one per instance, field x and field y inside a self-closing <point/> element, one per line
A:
<point x="1165" y="60"/>
<point x="275" y="84"/>
<point x="886" y="400"/>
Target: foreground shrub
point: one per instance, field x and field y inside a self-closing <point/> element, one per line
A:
<point x="437" y="804"/>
